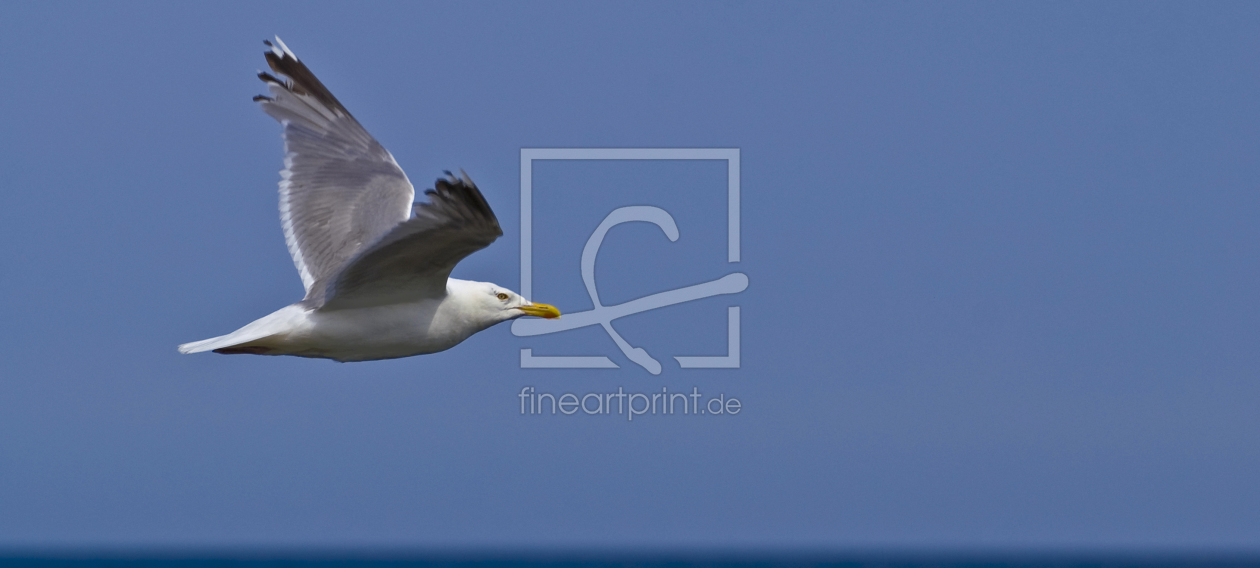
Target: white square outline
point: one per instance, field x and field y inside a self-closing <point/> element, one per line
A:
<point x="730" y="155"/>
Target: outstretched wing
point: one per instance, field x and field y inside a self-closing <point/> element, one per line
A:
<point x="340" y="190"/>
<point x="413" y="261"/>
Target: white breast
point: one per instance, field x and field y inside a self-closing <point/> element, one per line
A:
<point x="383" y="332"/>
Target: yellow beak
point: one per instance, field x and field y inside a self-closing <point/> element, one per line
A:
<point x="540" y="310"/>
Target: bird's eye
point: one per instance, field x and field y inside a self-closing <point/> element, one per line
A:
<point x="503" y="296"/>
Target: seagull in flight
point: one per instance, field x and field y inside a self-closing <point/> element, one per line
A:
<point x="376" y="267"/>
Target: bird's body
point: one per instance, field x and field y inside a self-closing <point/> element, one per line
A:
<point x="375" y="267"/>
<point x="362" y="334"/>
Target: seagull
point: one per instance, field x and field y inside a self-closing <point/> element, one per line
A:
<point x="376" y="267"/>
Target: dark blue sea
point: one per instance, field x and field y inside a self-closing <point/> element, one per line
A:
<point x="632" y="560"/>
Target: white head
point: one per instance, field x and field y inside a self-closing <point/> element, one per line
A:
<point x="492" y="303"/>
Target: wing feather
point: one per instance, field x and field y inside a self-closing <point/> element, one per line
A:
<point x="414" y="260"/>
<point x="340" y="190"/>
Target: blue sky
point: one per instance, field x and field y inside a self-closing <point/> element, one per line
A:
<point x="1003" y="264"/>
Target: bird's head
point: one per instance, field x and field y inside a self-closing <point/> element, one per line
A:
<point x="508" y="305"/>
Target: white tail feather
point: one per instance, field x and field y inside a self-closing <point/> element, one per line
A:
<point x="213" y="343"/>
<point x="278" y="322"/>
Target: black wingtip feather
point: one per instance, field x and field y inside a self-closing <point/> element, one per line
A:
<point x="269" y="78"/>
<point x="462" y="191"/>
<point x="300" y="79"/>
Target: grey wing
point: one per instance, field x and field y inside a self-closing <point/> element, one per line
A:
<point x="340" y="190"/>
<point x="413" y="261"/>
